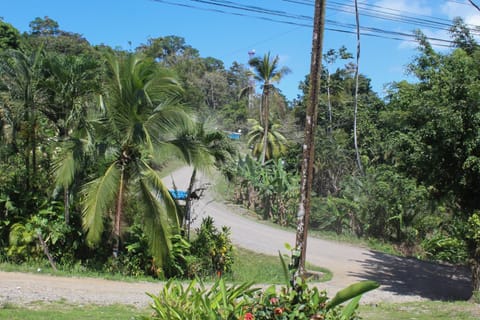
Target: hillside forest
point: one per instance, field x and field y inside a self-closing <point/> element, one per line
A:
<point x="88" y="131"/>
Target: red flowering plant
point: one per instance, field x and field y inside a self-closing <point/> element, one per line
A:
<point x="247" y="316"/>
<point x="296" y="300"/>
<point x="287" y="304"/>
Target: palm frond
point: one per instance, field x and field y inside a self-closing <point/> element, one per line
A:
<point x="167" y="121"/>
<point x="192" y="152"/>
<point x="160" y="214"/>
<point x="99" y="196"/>
<point x="68" y="161"/>
<point x="65" y="169"/>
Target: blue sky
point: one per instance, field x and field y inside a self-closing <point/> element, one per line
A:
<point x="128" y="23"/>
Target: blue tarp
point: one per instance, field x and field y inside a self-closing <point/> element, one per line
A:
<point x="234" y="135"/>
<point x="178" y="194"/>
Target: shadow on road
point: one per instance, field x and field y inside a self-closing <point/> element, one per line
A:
<point x="408" y="276"/>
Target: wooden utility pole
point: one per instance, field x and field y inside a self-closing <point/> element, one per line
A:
<point x="303" y="215"/>
<point x="355" y="111"/>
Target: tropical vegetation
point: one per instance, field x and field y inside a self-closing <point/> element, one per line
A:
<point x="87" y="132"/>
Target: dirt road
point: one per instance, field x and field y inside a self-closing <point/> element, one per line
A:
<point x="401" y="279"/>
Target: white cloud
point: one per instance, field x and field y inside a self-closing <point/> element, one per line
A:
<point x="466" y="11"/>
<point x="403" y="7"/>
<point x="410" y="6"/>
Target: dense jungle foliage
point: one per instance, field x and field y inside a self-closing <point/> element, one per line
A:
<point x="84" y="131"/>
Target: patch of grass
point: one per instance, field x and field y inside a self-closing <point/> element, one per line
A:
<point x="402" y="311"/>
<point x="260" y="268"/>
<point x="63" y="311"/>
<point x="421" y="311"/>
<point x="265" y="270"/>
<point x="69" y="271"/>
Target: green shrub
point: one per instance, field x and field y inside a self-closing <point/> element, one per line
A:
<point x="47" y="224"/>
<point x="296" y="300"/>
<point x="135" y="260"/>
<point x="210" y="253"/>
<point x="442" y="247"/>
<point x="197" y="301"/>
<point x="304" y="302"/>
<point x="212" y="249"/>
<point x="332" y="214"/>
<point x="178" y="262"/>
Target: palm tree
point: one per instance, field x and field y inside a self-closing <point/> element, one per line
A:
<point x="70" y="163"/>
<point x="269" y="147"/>
<point x="20" y="76"/>
<point x="213" y="149"/>
<point x="141" y="120"/>
<point x="70" y="84"/>
<point x="267" y="72"/>
<point x="71" y="81"/>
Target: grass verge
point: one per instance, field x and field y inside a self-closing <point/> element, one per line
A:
<point x="260" y="268"/>
<point x="428" y="310"/>
<point x="65" y="311"/>
<point x="265" y="269"/>
<point x="69" y="271"/>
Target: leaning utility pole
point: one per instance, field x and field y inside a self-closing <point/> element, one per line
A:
<point x="303" y="214"/>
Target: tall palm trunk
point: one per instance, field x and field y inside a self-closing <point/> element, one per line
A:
<point x="329" y="104"/>
<point x="355" y="138"/>
<point x="34" y="144"/>
<point x="66" y="204"/>
<point x="188" y="202"/>
<point x="266" y="113"/>
<point x="64" y="136"/>
<point x="118" y="213"/>
<point x="475" y="269"/>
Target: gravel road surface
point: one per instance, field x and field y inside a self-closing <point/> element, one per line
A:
<point x="401" y="279"/>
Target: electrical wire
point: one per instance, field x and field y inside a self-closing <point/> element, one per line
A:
<point x="373" y="11"/>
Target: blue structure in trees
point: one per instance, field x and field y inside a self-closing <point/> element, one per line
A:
<point x="234" y="135"/>
<point x="178" y="194"/>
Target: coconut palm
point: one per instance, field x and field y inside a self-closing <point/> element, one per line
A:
<point x="269" y="147"/>
<point x="267" y="72"/>
<point x="139" y="124"/>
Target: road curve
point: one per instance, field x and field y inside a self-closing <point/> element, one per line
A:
<point x="401" y="279"/>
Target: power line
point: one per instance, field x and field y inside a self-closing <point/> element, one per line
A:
<point x="373" y="11"/>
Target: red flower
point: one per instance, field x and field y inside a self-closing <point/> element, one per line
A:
<point x="273" y="300"/>
<point x="278" y="311"/>
<point x="248" y="316"/>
